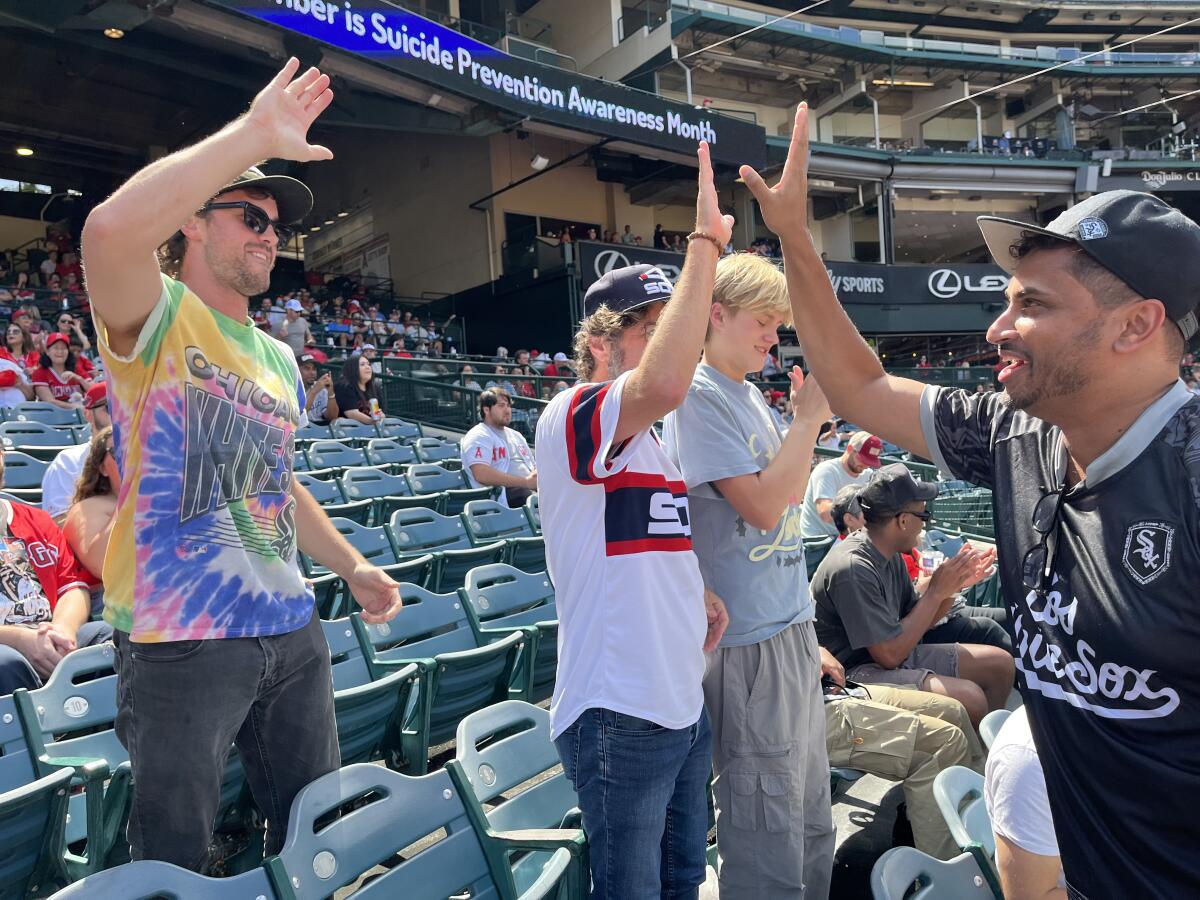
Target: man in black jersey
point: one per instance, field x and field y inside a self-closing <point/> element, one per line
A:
<point x="1092" y="451"/>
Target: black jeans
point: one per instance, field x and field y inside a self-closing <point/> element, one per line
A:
<point x="183" y="704"/>
<point x="973" y="625"/>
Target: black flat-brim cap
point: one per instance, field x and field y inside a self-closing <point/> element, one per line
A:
<point x="1130" y="234"/>
<point x="628" y="288"/>
<point x="893" y="488"/>
<point x="292" y="196"/>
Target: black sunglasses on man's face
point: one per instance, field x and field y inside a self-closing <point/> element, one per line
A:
<point x="256" y="218"/>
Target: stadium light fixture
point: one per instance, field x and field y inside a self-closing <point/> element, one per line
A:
<point x="315" y="228"/>
<point x="328" y="222"/>
<point x="114" y="33"/>
<point x="538" y="163"/>
<point x="342" y="214"/>
<point x="24" y="151"/>
<point x="892" y="82"/>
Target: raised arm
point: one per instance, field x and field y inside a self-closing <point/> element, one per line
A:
<point x="661" y="380"/>
<point x="852" y="377"/>
<point x="761" y="498"/>
<point x="122" y="235"/>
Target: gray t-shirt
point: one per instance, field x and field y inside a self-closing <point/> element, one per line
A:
<point x="861" y="597"/>
<point x="296" y="333"/>
<point x="722" y="430"/>
<point x="826" y="480"/>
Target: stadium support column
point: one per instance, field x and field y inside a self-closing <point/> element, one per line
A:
<point x="744" y="217"/>
<point x="928" y="106"/>
<point x="822" y="114"/>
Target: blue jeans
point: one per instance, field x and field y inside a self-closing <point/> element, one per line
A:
<point x="642" y="790"/>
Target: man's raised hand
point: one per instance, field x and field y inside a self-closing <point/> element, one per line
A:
<point x="286" y="108"/>
<point x="709" y="218"/>
<point x="785" y="206"/>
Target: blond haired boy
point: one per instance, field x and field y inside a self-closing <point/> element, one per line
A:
<point x="745" y="480"/>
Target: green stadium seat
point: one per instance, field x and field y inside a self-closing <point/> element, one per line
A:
<point x="154" y="880"/>
<point x="432" y="450"/>
<point x="373" y="543"/>
<point x="47" y="413"/>
<point x="421" y="530"/>
<point x="458" y="676"/>
<point x="501" y="749"/>
<point x="959" y="795"/>
<point x="333" y="454"/>
<point x="905" y="873"/>
<point x="322" y="491"/>
<point x="428" y="477"/>
<point x="36" y="438"/>
<point x="815" y="551"/>
<point x="398" y="430"/>
<point x="490" y="520"/>
<point x="452" y="566"/>
<point x="527" y="553"/>
<point x="534" y="511"/>
<point x="32" y="818"/>
<point x="313" y="432"/>
<point x="500" y="597"/>
<point x="376" y="485"/>
<point x="352" y="432"/>
<point x="390" y="454"/>
<point x="368" y="712"/>
<point x="23" y="476"/>
<point x="324" y="852"/>
<point x="991" y="725"/>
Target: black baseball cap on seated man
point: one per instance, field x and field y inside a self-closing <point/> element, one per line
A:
<point x="629" y="288"/>
<point x="1149" y="245"/>
<point x="892" y="489"/>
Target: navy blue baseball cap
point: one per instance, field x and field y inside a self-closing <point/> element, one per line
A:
<point x="1148" y="244"/>
<point x="629" y="288"/>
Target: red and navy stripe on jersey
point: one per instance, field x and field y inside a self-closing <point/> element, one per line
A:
<point x="643" y="511"/>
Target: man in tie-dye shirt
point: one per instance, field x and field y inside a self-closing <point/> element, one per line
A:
<point x="217" y="641"/>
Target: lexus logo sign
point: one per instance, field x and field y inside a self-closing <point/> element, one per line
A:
<point x="946" y="284"/>
<point x="607" y="260"/>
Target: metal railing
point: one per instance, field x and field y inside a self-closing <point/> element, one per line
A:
<point x="454" y="407"/>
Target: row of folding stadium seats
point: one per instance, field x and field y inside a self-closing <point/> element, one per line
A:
<point x="421" y="546"/>
<point x="500" y="820"/>
<point x="40" y="411"/>
<point x="400" y="689"/>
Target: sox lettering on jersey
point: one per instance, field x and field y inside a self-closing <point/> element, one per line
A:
<point x="1108" y="689"/>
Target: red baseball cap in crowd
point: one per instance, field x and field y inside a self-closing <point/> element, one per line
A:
<point x="97" y="395"/>
<point x="867" y="448"/>
<point x="54" y="337"/>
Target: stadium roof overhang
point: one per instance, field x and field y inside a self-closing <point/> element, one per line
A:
<point x="444" y="62"/>
<point x="716" y="23"/>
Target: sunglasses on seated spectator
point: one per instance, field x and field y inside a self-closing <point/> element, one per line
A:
<point x="256" y="218"/>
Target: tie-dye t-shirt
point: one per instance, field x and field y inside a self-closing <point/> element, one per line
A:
<point x="204" y="410"/>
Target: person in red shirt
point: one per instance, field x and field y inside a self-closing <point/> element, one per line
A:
<point x="56" y="380"/>
<point x="44" y="601"/>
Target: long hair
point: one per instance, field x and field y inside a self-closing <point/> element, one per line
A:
<point x="68" y="366"/>
<point x="26" y="339"/>
<point x="92" y="480"/>
<point x="349" y="377"/>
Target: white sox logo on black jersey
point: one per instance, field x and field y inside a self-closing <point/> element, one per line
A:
<point x="1148" y="550"/>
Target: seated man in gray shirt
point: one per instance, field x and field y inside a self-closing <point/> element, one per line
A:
<point x="854" y="466"/>
<point x="871" y="618"/>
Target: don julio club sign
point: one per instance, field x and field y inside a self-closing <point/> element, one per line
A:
<point x="852" y="282"/>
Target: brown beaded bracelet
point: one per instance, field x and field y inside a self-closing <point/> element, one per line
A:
<point x="708" y="237"/>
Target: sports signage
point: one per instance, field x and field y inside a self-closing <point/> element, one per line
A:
<point x="422" y="49"/>
<point x="854" y="283"/>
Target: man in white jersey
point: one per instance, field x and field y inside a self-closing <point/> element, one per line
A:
<point x="628" y="711"/>
<point x="494" y="455"/>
